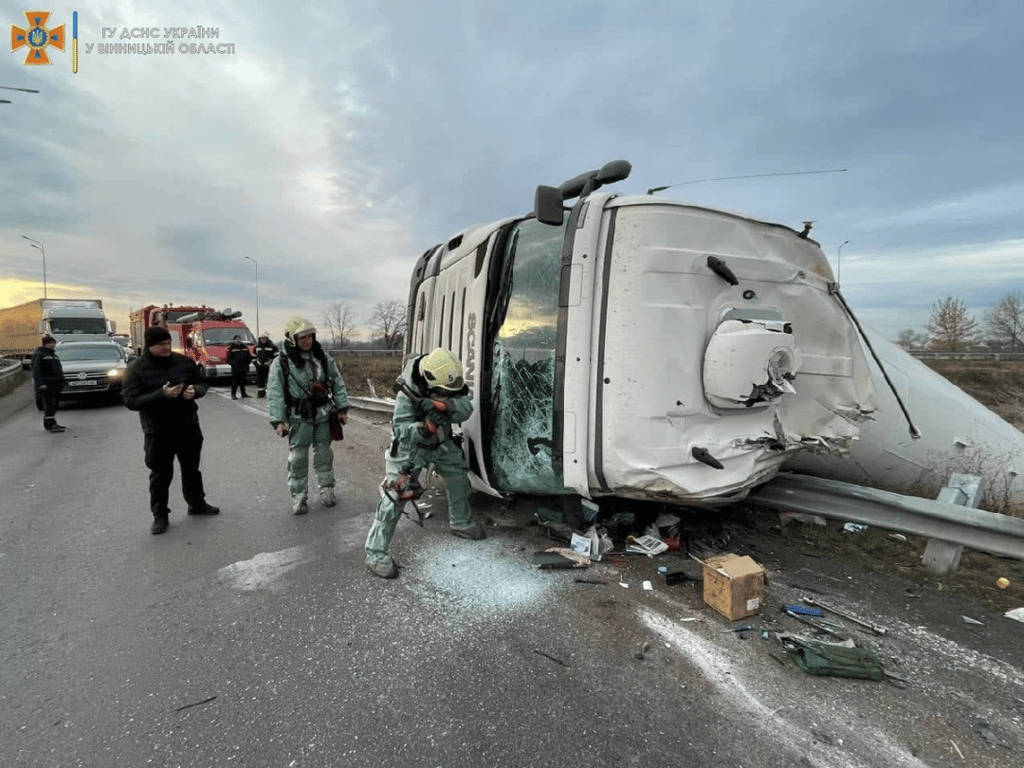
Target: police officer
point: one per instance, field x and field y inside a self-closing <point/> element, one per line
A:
<point x="421" y="437"/>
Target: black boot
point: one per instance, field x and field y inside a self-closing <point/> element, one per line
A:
<point x="160" y="523"/>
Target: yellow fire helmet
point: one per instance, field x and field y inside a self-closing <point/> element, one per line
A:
<point x="442" y="370"/>
<point x="298" y="326"/>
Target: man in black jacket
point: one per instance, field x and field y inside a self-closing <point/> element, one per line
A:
<point x="266" y="351"/>
<point x="48" y="378"/>
<point x="239" y="358"/>
<point x="162" y="386"/>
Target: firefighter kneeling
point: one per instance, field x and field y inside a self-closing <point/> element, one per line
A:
<point x="431" y="397"/>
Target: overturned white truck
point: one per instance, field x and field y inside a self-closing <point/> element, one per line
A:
<point x="639" y="347"/>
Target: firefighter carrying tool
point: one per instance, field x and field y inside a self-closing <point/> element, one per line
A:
<point x="432" y="397"/>
<point x="434" y="412"/>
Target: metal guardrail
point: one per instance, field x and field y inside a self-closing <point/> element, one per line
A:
<point x="375" y="404"/>
<point x="923" y="354"/>
<point x="973" y="528"/>
<point x="9" y="367"/>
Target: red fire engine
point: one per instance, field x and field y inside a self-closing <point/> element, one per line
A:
<point x="200" y="332"/>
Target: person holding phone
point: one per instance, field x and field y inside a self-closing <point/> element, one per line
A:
<point x="163" y="386"/>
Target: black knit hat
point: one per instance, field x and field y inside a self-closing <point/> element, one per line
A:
<point x="155" y="335"/>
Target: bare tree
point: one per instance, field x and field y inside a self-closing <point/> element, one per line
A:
<point x="339" y="320"/>
<point x="388" y="322"/>
<point x="950" y="328"/>
<point x="1005" y="321"/>
<point x="908" y="338"/>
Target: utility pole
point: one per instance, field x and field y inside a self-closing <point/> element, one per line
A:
<point x="39" y="246"/>
<point x="257" y="284"/>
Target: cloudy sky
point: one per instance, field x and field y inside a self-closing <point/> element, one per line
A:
<point x="338" y="141"/>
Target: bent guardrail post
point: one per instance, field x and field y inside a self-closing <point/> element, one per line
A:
<point x="942" y="556"/>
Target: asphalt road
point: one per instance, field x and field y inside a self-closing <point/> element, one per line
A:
<point x="256" y="638"/>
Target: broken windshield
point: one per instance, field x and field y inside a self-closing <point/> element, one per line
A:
<point x="523" y="363"/>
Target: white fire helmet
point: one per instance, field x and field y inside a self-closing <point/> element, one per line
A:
<point x="442" y="370"/>
<point x="298" y="326"/>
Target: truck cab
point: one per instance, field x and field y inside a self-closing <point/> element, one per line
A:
<point x="199" y="332"/>
<point x="206" y="341"/>
<point x="639" y="347"/>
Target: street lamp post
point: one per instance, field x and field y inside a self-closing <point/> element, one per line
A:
<point x="257" y="284"/>
<point x="36" y="244"/>
<point x="839" y="260"/>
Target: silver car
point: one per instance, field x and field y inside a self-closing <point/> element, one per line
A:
<point x="92" y="368"/>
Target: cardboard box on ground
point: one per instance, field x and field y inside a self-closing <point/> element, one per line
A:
<point x="735" y="586"/>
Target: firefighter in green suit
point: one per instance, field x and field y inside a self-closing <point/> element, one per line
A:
<point x="304" y="386"/>
<point x="436" y="398"/>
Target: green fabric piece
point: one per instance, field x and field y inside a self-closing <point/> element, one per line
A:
<point x="817" y="658"/>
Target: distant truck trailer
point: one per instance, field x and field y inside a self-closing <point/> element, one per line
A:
<point x="199" y="332"/>
<point x="22" y="326"/>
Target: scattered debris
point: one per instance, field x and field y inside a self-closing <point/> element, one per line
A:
<point x="802" y="610"/>
<point x="801" y="517"/>
<point x="196" y="703"/>
<point x="734" y="586"/>
<point x="854" y="528"/>
<point x="581" y="545"/>
<point x="559" y="557"/>
<point x="982" y="729"/>
<point x="972" y="622"/>
<point x="645" y="545"/>
<point x="549" y="656"/>
<point x="1017" y="614"/>
<point x="819" y="626"/>
<point x="677" y="577"/>
<point x="820" y="658"/>
<point x="876" y="628"/>
<point x="648" y="586"/>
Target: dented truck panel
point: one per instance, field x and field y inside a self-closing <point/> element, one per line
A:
<point x="683" y="385"/>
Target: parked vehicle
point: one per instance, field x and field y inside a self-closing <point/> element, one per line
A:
<point x="200" y="332"/>
<point x="125" y="341"/>
<point x="92" y="368"/>
<point x="22" y="326"/>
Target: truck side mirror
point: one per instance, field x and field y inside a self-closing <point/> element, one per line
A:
<point x="547" y="206"/>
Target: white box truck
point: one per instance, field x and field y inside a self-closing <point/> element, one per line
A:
<point x="22" y="326"/>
